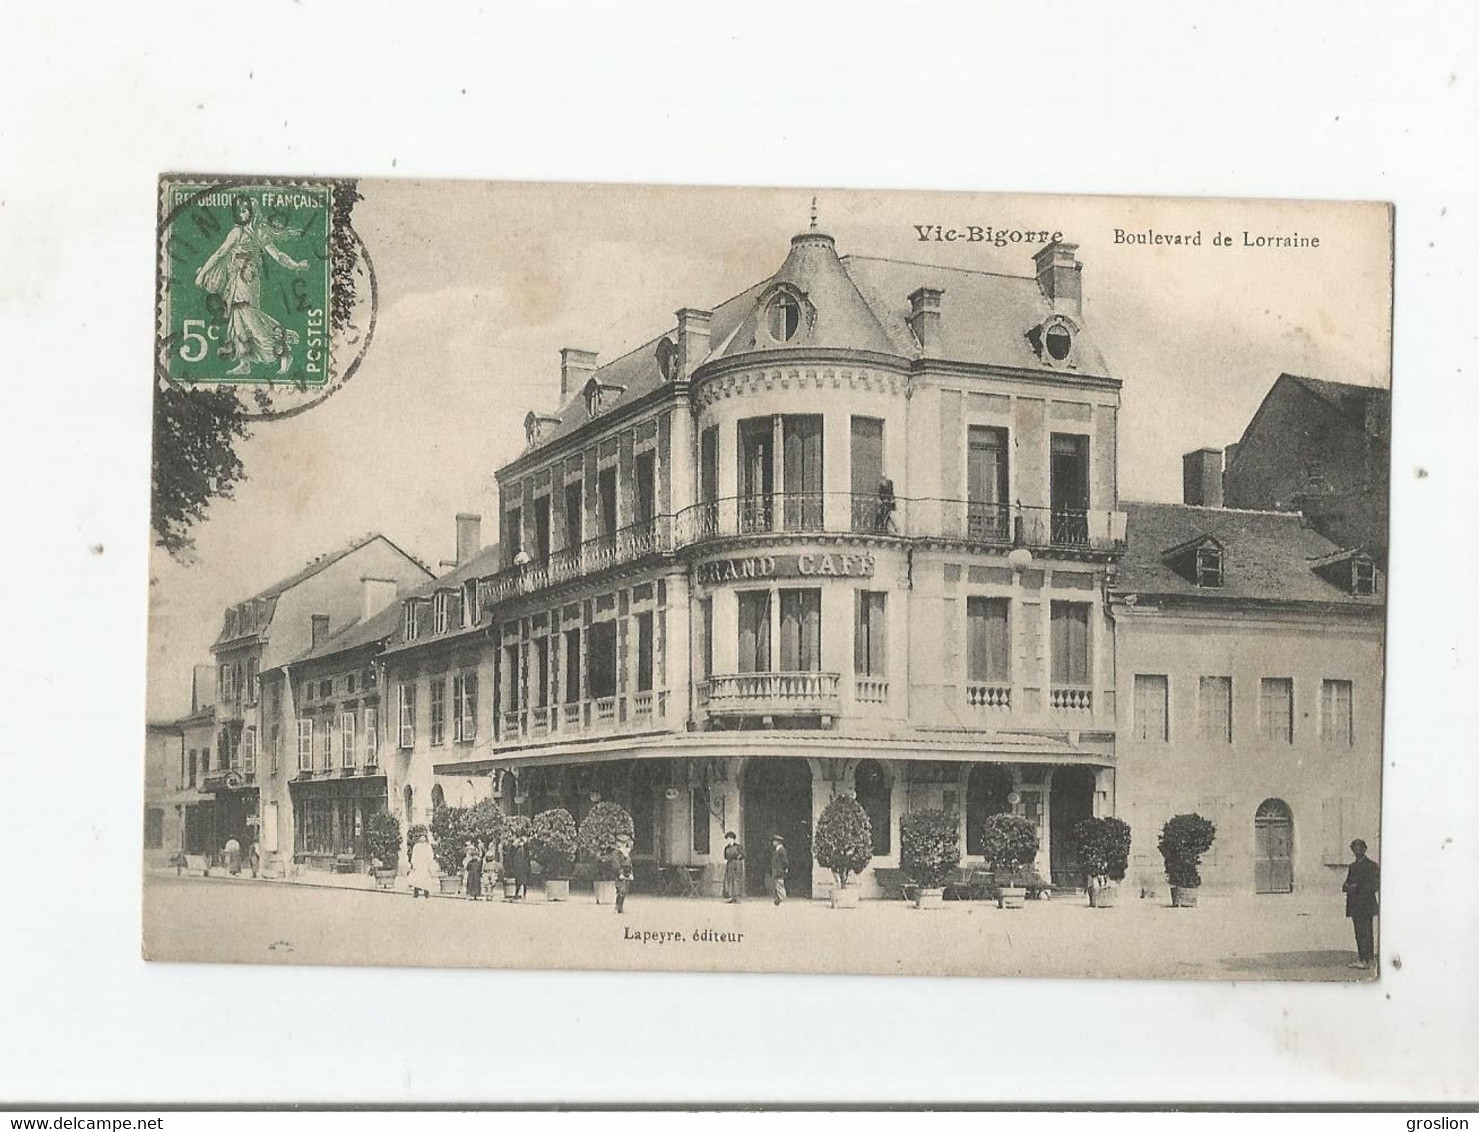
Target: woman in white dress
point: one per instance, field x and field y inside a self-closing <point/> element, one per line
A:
<point x="423" y="869"/>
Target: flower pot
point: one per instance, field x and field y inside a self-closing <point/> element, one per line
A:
<point x="929" y="898"/>
<point x="1010" y="896"/>
<point x="556" y="891"/>
<point x="510" y="888"/>
<point x="845" y="897"/>
<point x="605" y="892"/>
<point x="1183" y="897"/>
<point x="385" y="878"/>
<point x="1103" y="896"/>
<point x="450" y="884"/>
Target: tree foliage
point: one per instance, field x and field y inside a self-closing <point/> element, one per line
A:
<point x="843" y="841"/>
<point x="1008" y="842"/>
<point x="552" y="841"/>
<point x="1182" y="842"/>
<point x="195" y="460"/>
<point x="929" y="844"/>
<point x="383" y="835"/>
<point x="1103" y="847"/>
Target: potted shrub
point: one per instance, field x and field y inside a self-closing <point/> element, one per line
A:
<point x="843" y="843"/>
<point x="1182" y="842"/>
<point x="1104" y="853"/>
<point x="383" y="836"/>
<point x="599" y="832"/>
<point x="552" y="843"/>
<point x="1009" y="844"/>
<point x="449" y="837"/>
<point x="515" y="845"/>
<point x="929" y="851"/>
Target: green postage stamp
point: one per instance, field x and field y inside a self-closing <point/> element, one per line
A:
<point x="245" y="281"/>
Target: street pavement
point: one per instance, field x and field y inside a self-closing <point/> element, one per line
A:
<point x="225" y="920"/>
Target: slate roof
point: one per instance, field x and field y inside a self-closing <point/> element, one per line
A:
<point x="861" y="303"/>
<point x="1351" y="401"/>
<point x="1267" y="555"/>
<point x="387" y="622"/>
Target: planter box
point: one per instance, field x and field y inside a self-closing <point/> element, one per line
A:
<point x="846" y="897"/>
<point x="385" y="878"/>
<point x="558" y="891"/>
<point x="605" y="892"/>
<point x="1009" y="896"/>
<point x="450" y="884"/>
<point x="1103" y="896"/>
<point x="929" y="898"/>
<point x="1183" y="897"/>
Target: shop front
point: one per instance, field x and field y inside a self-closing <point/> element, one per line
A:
<point x="331" y="821"/>
<point x="228" y="811"/>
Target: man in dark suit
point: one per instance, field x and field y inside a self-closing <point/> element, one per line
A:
<point x="1362" y="885"/>
<point x="780" y="864"/>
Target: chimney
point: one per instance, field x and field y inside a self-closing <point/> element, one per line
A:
<point x="924" y="317"/>
<point x="202" y="687"/>
<point x="1059" y="275"/>
<point x="320" y="629"/>
<point x="693" y="339"/>
<point x="469" y="536"/>
<point x="375" y="595"/>
<point x="576" y="367"/>
<point x="1201" y="478"/>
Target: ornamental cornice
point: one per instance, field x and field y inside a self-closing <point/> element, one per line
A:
<point x="848" y="378"/>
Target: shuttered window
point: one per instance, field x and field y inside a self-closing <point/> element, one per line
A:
<point x="801" y="630"/>
<point x="1070" y="643"/>
<point x="870" y="634"/>
<point x="988" y="658"/>
<point x="1335" y="713"/>
<point x="1276" y="709"/>
<point x="754" y="631"/>
<point x="1152" y="709"/>
<point x="1214" y="709"/>
<point x="372" y="736"/>
<point x="305" y="744"/>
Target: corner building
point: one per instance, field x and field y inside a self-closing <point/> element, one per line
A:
<point x="848" y="531"/>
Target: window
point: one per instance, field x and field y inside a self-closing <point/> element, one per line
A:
<point x="988" y="515"/>
<point x="194" y="767"/>
<point x="1070" y="622"/>
<point x="305" y="744"/>
<point x="601" y="660"/>
<point x="539" y="673"/>
<point x="868" y="512"/>
<point x="349" y="684"/>
<point x="708" y="465"/>
<point x="574" y="512"/>
<point x="783" y="318"/>
<point x="1363" y="576"/>
<point x="459" y="708"/>
<point x="439" y="612"/>
<point x="1209" y="566"/>
<point x="801" y="630"/>
<point x="438" y="693"/>
<point x="702" y="819"/>
<point x="606" y="502"/>
<point x="249" y="750"/>
<point x="253" y="686"/>
<point x="754" y="631"/>
<point x="513" y="532"/>
<point x="325" y="689"/>
<point x="1276" y="709"/>
<point x="231" y="746"/>
<point x="756" y="473"/>
<point x="801" y="452"/>
<point x="1152" y="709"/>
<point x="1069" y="489"/>
<point x="326" y="749"/>
<point x="572" y="666"/>
<point x="274" y="751"/>
<point x="372" y="678"/>
<point x="1335" y="713"/>
<point x="228" y="682"/>
<point x="1214" y="709"/>
<point x="346" y="740"/>
<point x="646" y="493"/>
<point x="988" y="652"/>
<point x="644" y="652"/>
<point x="469" y="603"/>
<point x="875" y="796"/>
<point x="372" y="736"/>
<point x="541" y="529"/>
<point x="870" y="634"/>
<point x="705" y="649"/>
<point x="307" y="691"/>
<point x="406" y="715"/>
<point x="1058" y="341"/>
<point x="408" y="629"/>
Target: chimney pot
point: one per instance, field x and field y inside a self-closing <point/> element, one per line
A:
<point x="1201" y="477"/>
<point x="320" y="628"/>
<point x="924" y="317"/>
<point x="469" y="536"/>
<point x="576" y="367"/>
<point x="694" y="329"/>
<point x="1059" y="274"/>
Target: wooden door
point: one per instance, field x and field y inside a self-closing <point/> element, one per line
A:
<point x="1273" y="854"/>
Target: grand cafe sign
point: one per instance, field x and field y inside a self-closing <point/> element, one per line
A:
<point x="759" y="567"/>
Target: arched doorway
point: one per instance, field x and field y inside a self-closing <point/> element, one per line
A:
<point x="1273" y="847"/>
<point x="438" y="798"/>
<point x="407" y="797"/>
<point x="1071" y="800"/>
<point x="874" y="793"/>
<point x="987" y="791"/>
<point x="776" y="797"/>
<point x="650" y="780"/>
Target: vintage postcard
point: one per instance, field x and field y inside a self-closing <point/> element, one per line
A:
<point x="790" y="580"/>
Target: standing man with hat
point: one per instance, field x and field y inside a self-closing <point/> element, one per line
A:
<point x="1361" y="888"/>
<point x="780" y="864"/>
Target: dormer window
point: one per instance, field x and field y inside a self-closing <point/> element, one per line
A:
<point x="439" y="605"/>
<point x="1209" y="567"/>
<point x="667" y="359"/>
<point x="1363" y="577"/>
<point x="1058" y="342"/>
<point x="592" y="398"/>
<point x="409" y="627"/>
<point x="783" y="318"/>
<point x="1054" y="341"/>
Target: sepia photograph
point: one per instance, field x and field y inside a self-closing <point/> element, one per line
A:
<point x="767" y="580"/>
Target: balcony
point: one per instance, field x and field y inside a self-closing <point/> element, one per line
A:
<point x="990" y="697"/>
<point x="599" y="715"/>
<point x="1071" y="699"/>
<point x="773" y="693"/>
<point x="654" y="536"/>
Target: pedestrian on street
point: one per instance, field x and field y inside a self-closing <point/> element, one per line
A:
<point x="254" y="854"/>
<point x="734" y="868"/>
<point x="491" y="869"/>
<point x="780" y="864"/>
<point x="517" y="863"/>
<point x="422" y="863"/>
<point x="472" y="863"/>
<point x="1362" y="888"/>
<point x="232" y="850"/>
<point x="621" y="864"/>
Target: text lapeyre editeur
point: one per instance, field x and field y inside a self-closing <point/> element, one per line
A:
<point x="701" y="935"/>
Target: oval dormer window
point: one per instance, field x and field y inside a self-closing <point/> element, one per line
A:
<point x="667" y="359"/>
<point x="1058" y="341"/>
<point x="785" y="318"/>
